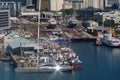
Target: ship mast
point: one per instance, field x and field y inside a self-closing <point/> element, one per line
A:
<point x="39" y="13"/>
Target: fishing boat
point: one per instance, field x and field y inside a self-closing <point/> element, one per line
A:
<point x="52" y="23"/>
<point x="72" y="22"/>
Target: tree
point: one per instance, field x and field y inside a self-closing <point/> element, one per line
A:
<point x="109" y="23"/>
<point x="68" y="11"/>
<point x="99" y="22"/>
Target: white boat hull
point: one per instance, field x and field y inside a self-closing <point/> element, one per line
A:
<point x="27" y="70"/>
<point x="110" y="43"/>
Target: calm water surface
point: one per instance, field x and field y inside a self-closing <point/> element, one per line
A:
<point x="99" y="63"/>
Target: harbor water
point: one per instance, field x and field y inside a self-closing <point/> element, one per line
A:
<point x="99" y="63"/>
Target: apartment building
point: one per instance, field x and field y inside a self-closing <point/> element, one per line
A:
<point x="55" y="5"/>
<point x="13" y="6"/>
<point x="4" y="19"/>
<point x="93" y="3"/>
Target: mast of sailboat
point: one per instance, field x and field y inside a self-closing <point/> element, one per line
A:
<point x="110" y="32"/>
<point x="39" y="13"/>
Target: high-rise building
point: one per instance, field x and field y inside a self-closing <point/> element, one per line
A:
<point x="55" y="5"/>
<point x="67" y="5"/>
<point x="76" y="4"/>
<point x="92" y="3"/>
<point x="98" y="4"/>
<point x="44" y="4"/>
<point x="4" y="19"/>
<point x="13" y="6"/>
<point x="29" y="2"/>
<point x="23" y="2"/>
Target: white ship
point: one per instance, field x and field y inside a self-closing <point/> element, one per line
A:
<point x="108" y="40"/>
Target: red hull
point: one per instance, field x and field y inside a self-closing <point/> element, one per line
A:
<point x="98" y="43"/>
<point x="76" y="66"/>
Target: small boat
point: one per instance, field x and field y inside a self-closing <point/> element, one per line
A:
<point x="72" y="22"/>
<point x="52" y="23"/>
<point x="5" y="59"/>
<point x="98" y="42"/>
<point x="76" y="63"/>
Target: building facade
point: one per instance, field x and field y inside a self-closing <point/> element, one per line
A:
<point x="111" y="16"/>
<point x="13" y="6"/>
<point x="93" y="3"/>
<point x="77" y="4"/>
<point x="67" y="5"/>
<point x="109" y="3"/>
<point x="23" y="2"/>
<point x="55" y="5"/>
<point x="44" y="4"/>
<point x="4" y="19"/>
<point x="29" y="2"/>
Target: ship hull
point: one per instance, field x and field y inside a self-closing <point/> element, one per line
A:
<point x="76" y="66"/>
<point x="109" y="43"/>
<point x="40" y="70"/>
